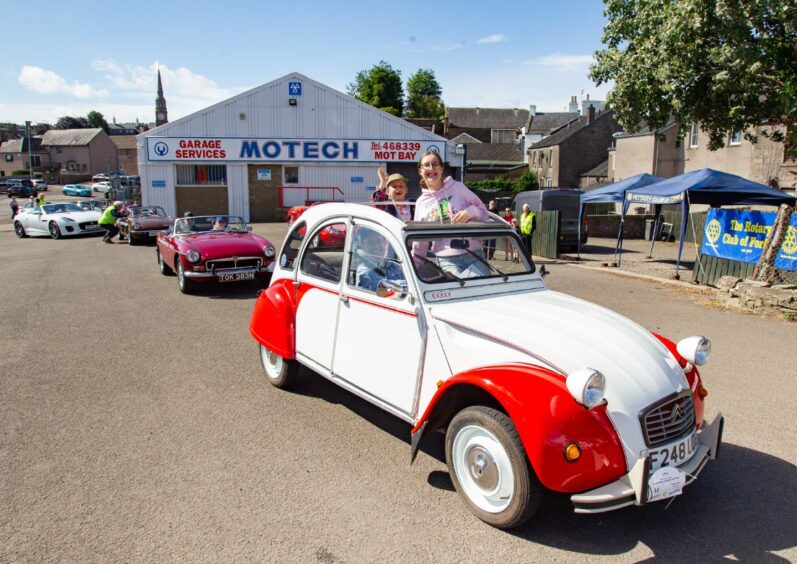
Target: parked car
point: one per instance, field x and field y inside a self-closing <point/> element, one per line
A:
<point x="76" y="190"/>
<point x="103" y="187"/>
<point x="56" y="221"/>
<point x="199" y="250"/>
<point x="20" y="190"/>
<point x="4" y="186"/>
<point x="535" y="390"/>
<point x="98" y="205"/>
<point x="567" y="201"/>
<point x="40" y="185"/>
<point x="142" y="223"/>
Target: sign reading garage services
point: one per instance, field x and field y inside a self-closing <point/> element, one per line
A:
<point x="235" y="149"/>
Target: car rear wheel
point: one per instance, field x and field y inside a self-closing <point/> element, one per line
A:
<point x="489" y="467"/>
<point x="164" y="268"/>
<point x="280" y="373"/>
<point x="186" y="284"/>
<point x="19" y="230"/>
<point x="55" y="231"/>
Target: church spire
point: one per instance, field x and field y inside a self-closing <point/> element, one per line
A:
<point x="161" y="115"/>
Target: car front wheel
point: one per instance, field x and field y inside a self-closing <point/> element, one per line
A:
<point x="280" y="372"/>
<point x="489" y="467"/>
<point x="164" y="268"/>
<point x="186" y="284"/>
<point x="55" y="231"/>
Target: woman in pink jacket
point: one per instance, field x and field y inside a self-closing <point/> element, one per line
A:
<point x="448" y="200"/>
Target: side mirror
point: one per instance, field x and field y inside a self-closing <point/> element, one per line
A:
<point x="388" y="289"/>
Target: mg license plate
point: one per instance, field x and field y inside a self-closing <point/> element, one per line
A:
<point x="237" y="276"/>
<point x="673" y="454"/>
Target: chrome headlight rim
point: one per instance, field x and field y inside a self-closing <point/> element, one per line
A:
<point x="269" y="251"/>
<point x="695" y="350"/>
<point x="587" y="386"/>
<point x="193" y="256"/>
<point x="137" y="226"/>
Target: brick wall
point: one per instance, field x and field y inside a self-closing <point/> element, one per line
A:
<point x="586" y="149"/>
<point x="202" y="200"/>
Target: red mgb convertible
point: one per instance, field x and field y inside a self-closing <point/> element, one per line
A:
<point x="533" y="389"/>
<point x="220" y="248"/>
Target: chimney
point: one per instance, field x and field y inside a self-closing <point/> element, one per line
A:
<point x="591" y="114"/>
<point x="573" y="105"/>
<point x="533" y="109"/>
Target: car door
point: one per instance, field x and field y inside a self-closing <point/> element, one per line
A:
<point x="379" y="341"/>
<point x="317" y="285"/>
<point x="36" y="222"/>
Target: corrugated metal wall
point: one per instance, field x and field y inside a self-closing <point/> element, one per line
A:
<point x="163" y="197"/>
<point x="334" y="175"/>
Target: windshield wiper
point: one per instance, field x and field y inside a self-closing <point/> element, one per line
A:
<point x="444" y="273"/>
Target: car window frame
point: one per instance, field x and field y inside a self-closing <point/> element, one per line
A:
<point x="320" y="226"/>
<point x="398" y="248"/>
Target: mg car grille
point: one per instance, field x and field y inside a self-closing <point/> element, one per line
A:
<point x="669" y="421"/>
<point x="234" y="263"/>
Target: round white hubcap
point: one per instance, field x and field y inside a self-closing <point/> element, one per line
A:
<point x="272" y="363"/>
<point x="483" y="469"/>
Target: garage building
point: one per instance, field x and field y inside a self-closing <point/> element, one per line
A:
<point x="288" y="142"/>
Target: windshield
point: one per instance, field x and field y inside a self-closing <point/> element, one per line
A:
<point x="209" y="223"/>
<point x="61" y="208"/>
<point x="442" y="258"/>
<point x="147" y="211"/>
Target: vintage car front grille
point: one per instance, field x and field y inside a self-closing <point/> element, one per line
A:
<point x="234" y="263"/>
<point x="88" y="225"/>
<point x="669" y="421"/>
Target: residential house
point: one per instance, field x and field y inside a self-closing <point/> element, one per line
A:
<point x="79" y="154"/>
<point x="14" y="155"/>
<point x="541" y="125"/>
<point x="597" y="176"/>
<point x="574" y="149"/>
<point x="122" y="129"/>
<point x="126" y="153"/>
<point x="488" y="160"/>
<point x="660" y="153"/>
<point x="488" y="125"/>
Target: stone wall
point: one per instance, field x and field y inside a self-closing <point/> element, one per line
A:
<point x="759" y="297"/>
<point x="607" y="226"/>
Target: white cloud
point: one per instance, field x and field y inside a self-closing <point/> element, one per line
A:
<point x="561" y="62"/>
<point x="47" y="82"/>
<point x="445" y="45"/>
<point x="494" y="38"/>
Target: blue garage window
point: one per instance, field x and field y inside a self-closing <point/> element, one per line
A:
<point x="201" y="175"/>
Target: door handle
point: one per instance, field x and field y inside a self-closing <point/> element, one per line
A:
<point x="344" y="298"/>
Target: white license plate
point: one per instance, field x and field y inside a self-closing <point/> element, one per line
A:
<point x="673" y="454"/>
<point x="153" y="233"/>
<point x="237" y="276"/>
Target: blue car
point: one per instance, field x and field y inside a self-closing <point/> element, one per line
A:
<point x="76" y="190"/>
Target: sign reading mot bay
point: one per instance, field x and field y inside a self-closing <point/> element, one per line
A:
<point x="739" y="235"/>
<point x="236" y="149"/>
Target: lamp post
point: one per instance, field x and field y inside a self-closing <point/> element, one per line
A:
<point x="30" y="152"/>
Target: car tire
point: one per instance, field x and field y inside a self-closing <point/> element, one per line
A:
<point x="55" y="231"/>
<point x="130" y="240"/>
<point x="184" y="282"/>
<point x="164" y="268"/>
<point x="489" y="467"/>
<point x="280" y="373"/>
<point x="19" y="230"/>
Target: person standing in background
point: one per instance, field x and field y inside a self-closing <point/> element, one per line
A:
<point x="14" y="207"/>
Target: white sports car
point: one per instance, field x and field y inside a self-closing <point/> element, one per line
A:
<point x="56" y="221"/>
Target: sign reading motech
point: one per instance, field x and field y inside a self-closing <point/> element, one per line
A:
<point x="740" y="235"/>
<point x="237" y="149"/>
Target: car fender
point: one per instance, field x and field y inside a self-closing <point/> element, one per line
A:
<point x="273" y="323"/>
<point x="547" y="419"/>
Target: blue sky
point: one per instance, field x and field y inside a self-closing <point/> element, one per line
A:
<point x="84" y="55"/>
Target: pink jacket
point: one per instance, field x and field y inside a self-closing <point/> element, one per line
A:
<point x="452" y="197"/>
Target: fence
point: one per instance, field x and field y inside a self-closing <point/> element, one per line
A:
<point x="694" y="229"/>
<point x="545" y="242"/>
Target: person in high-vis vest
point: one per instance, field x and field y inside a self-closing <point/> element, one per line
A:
<point x="108" y="220"/>
<point x="528" y="223"/>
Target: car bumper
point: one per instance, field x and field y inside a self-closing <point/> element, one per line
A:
<point x="632" y="488"/>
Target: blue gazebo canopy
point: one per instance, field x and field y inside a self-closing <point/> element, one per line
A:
<point x="708" y="186"/>
<point x="615" y="192"/>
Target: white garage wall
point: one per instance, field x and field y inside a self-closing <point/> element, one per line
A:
<point x="334" y="175"/>
<point x="238" y="190"/>
<point x="163" y="197"/>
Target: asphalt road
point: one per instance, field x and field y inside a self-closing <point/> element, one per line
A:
<point x="136" y="426"/>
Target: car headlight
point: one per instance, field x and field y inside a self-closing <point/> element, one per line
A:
<point x="192" y="256"/>
<point x="269" y="251"/>
<point x="696" y="350"/>
<point x="587" y="387"/>
<point x="136" y="226"/>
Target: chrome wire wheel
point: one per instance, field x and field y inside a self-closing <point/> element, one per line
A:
<point x="483" y="468"/>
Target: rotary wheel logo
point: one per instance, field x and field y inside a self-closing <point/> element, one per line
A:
<point x="713" y="230"/>
<point x="789" y="246"/>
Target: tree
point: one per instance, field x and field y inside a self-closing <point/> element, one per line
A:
<point x="381" y="87"/>
<point x="96" y="119"/>
<point x="423" y="96"/>
<point x="728" y="65"/>
<point x="69" y="122"/>
<point x="526" y="181"/>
